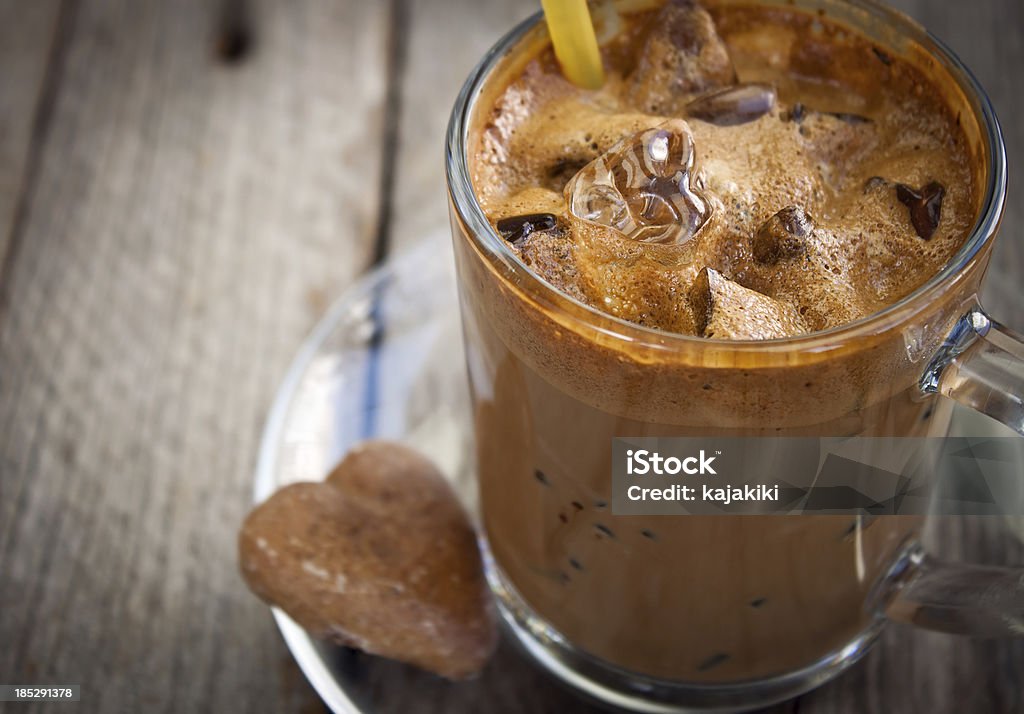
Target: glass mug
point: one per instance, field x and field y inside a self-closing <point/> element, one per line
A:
<point x="660" y="614"/>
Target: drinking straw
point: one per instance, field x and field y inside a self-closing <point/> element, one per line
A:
<point x="572" y="34"/>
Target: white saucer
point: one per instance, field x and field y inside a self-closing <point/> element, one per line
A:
<point x="386" y="361"/>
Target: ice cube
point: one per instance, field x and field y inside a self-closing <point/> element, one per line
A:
<point x="726" y="310"/>
<point x="782" y="236"/>
<point x="682" y="55"/>
<point x="637" y="214"/>
<point x="641" y="187"/>
<point x="733" y="105"/>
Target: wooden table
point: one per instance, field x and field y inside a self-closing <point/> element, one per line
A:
<point x="184" y="186"/>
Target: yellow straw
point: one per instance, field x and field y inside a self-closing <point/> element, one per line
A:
<point x="572" y="34"/>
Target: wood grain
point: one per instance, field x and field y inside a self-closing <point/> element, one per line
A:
<point x="206" y="178"/>
<point x="192" y="213"/>
<point x="28" y="40"/>
<point x="445" y="41"/>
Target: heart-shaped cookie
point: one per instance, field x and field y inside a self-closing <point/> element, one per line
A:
<point x="380" y="556"/>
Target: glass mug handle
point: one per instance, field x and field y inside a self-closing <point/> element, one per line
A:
<point x="980" y="365"/>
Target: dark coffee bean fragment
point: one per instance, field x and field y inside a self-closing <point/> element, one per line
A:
<point x="882" y="56"/>
<point x="648" y="534"/>
<point x="600" y="503"/>
<point x="563" y="518"/>
<point x="516" y="228"/>
<point x="906" y="194"/>
<point x="577" y="505"/>
<point x="563" y="577"/>
<point x="758" y="602"/>
<point x="925" y="206"/>
<point x="576" y="564"/>
<point x="539" y="475"/>
<point x="782" y="235"/>
<point x="604" y="530"/>
<point x="713" y="661"/>
<point x="733" y="105"/>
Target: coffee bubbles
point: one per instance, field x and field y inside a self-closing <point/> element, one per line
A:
<point x="726" y="182"/>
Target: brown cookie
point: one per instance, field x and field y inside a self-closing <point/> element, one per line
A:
<point x="380" y="556"/>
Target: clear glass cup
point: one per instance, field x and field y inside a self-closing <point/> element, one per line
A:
<point x="720" y="612"/>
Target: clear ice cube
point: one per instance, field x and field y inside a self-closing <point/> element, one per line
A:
<point x="682" y="54"/>
<point x="643" y="188"/>
<point x="733" y="105"/>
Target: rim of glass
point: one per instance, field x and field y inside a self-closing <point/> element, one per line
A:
<point x="484" y="236"/>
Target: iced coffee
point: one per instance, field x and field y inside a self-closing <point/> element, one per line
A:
<point x="747" y="173"/>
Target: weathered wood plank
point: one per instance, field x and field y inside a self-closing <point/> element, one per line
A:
<point x="445" y="41"/>
<point x="27" y="36"/>
<point x="190" y="218"/>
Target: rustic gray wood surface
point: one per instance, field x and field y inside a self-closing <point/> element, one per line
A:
<point x="184" y="186"/>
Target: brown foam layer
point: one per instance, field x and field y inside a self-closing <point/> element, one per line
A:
<point x="849" y="125"/>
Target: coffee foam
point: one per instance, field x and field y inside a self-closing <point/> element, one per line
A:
<point x="863" y="254"/>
